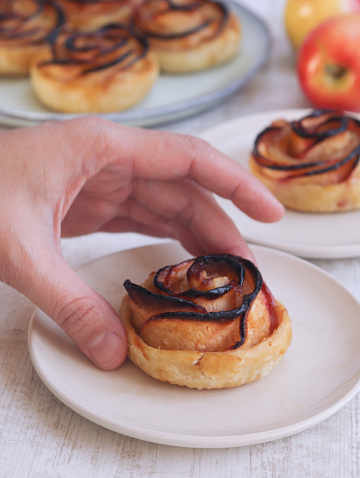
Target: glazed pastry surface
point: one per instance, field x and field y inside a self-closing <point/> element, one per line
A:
<point x="88" y="15"/>
<point x="189" y="35"/>
<point x="311" y="164"/>
<point x="110" y="69"/>
<point x="25" y="27"/>
<point x="208" y="322"/>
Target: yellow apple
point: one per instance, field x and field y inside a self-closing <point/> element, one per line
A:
<point x="302" y="16"/>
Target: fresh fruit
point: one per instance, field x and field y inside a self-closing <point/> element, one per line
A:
<point x="302" y="16"/>
<point x="328" y="64"/>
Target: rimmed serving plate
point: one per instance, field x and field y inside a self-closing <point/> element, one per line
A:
<point x="309" y="235"/>
<point x="318" y="375"/>
<point x="173" y="97"/>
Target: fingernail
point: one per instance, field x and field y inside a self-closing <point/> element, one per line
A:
<point x="107" y="350"/>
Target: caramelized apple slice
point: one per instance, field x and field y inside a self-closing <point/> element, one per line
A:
<point x="201" y="304"/>
<point x="322" y="144"/>
<point x="146" y="304"/>
<point x="237" y="335"/>
<point x="181" y="334"/>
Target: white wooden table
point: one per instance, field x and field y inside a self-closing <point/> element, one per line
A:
<point x="41" y="437"/>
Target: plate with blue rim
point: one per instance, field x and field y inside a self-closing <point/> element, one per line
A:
<point x="173" y="97"/>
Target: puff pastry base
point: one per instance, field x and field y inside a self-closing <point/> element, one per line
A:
<point x="206" y="55"/>
<point x="209" y="370"/>
<point x="24" y="28"/>
<point x="16" y="60"/>
<point x="304" y="194"/>
<point x="100" y="92"/>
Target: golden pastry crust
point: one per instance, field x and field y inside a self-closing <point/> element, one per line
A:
<point x="312" y="164"/>
<point x="226" y="348"/>
<point x="108" y="70"/>
<point x="89" y="15"/>
<point x="189" y="36"/>
<point x="25" y="26"/>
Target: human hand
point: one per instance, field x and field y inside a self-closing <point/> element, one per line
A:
<point x="87" y="175"/>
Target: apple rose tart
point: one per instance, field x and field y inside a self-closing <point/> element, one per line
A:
<point x="88" y="15"/>
<point x="104" y="71"/>
<point x="311" y="164"/>
<point x="25" y="26"/>
<point x="189" y="35"/>
<point x="207" y="322"/>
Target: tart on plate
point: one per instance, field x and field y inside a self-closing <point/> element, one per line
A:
<point x="107" y="70"/>
<point x="311" y="164"/>
<point x="25" y="27"/>
<point x="189" y="35"/>
<point x="208" y="322"/>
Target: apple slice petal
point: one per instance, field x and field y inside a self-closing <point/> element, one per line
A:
<point x="181" y="334"/>
<point x="214" y="292"/>
<point x="208" y="276"/>
<point x="149" y="304"/>
<point x="323" y="143"/>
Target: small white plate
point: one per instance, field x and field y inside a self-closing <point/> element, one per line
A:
<point x="305" y="234"/>
<point x="173" y="97"/>
<point x="318" y="375"/>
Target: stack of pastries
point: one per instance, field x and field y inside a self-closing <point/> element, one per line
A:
<point x="106" y="55"/>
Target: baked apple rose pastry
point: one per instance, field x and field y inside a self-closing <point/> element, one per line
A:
<point x="110" y="69"/>
<point x="25" y="26"/>
<point x="88" y="15"/>
<point x="311" y="164"/>
<point x="207" y="322"/>
<point x="189" y="35"/>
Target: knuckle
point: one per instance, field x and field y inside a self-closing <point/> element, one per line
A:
<point x="74" y="316"/>
<point x="90" y="122"/>
<point x="199" y="152"/>
<point x="195" y="147"/>
<point x="188" y="213"/>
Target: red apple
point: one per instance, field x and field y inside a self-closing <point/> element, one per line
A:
<point x="329" y="64"/>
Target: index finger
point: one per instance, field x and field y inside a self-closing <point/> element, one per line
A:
<point x="170" y="156"/>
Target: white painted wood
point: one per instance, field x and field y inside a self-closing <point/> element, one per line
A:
<point x="40" y="437"/>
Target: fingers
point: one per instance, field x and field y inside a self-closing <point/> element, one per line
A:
<point x="178" y="209"/>
<point x="155" y="155"/>
<point x="198" y="221"/>
<point x="91" y="323"/>
<point x="83" y="314"/>
<point x="39" y="272"/>
<point x="123" y="153"/>
<point x="230" y="180"/>
<point x="93" y="145"/>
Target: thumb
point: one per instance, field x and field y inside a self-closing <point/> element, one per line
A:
<point x="86" y="317"/>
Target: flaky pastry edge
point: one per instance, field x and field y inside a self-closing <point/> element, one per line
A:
<point x="206" y="55"/>
<point x="306" y="195"/>
<point x="209" y="370"/>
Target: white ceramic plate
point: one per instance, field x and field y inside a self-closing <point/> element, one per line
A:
<point x="173" y="96"/>
<point x="318" y="375"/>
<point x="308" y="235"/>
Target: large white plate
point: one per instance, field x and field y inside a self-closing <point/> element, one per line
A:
<point x="173" y="96"/>
<point x="318" y="375"/>
<point x="305" y="234"/>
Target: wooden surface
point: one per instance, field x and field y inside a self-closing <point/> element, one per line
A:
<point x="40" y="437"/>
